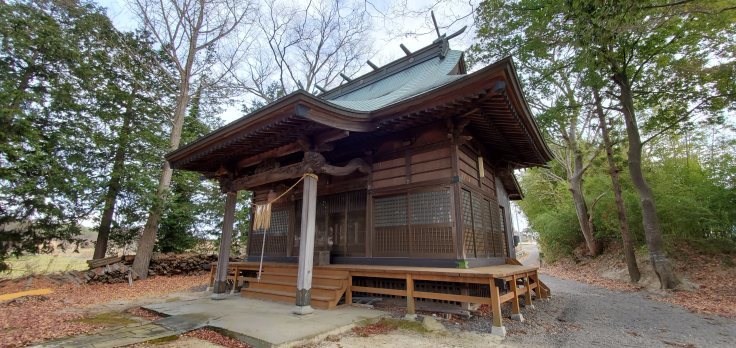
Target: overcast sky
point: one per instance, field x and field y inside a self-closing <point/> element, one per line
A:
<point x="414" y="29"/>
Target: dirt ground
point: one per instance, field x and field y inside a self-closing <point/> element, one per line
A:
<point x="587" y="309"/>
<point x="593" y="306"/>
<point x="76" y="309"/>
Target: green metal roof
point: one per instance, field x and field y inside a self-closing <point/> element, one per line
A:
<point x="412" y="81"/>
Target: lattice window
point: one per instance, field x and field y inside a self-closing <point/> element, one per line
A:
<point x="276" y="235"/>
<point x="355" y="234"/>
<point x="487" y="233"/>
<point x="430" y="208"/>
<point x="390" y="211"/>
<point x="413" y="224"/>
<point x="483" y="226"/>
<point x="339" y="224"/>
<point x="468" y="223"/>
<point x="503" y="233"/>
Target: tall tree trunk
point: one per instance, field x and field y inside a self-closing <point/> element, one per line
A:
<point x="114" y="185"/>
<point x="144" y="252"/>
<point x="575" y="181"/>
<point x="613" y="170"/>
<point x="652" y="230"/>
<point x="581" y="209"/>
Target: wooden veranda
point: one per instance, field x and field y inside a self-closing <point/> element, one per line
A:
<point x="336" y="284"/>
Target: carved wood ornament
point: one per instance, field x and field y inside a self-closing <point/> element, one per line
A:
<point x="313" y="162"/>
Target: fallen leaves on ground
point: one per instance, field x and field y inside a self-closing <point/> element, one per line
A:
<point x="216" y="338"/>
<point x="144" y="313"/>
<point x="38" y="318"/>
<point x="716" y="281"/>
<point x="713" y="276"/>
<point x="377" y="328"/>
<point x="586" y="273"/>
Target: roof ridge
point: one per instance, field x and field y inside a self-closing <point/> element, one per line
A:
<point x="438" y="48"/>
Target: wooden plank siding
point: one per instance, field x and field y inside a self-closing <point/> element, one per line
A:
<point x="415" y="166"/>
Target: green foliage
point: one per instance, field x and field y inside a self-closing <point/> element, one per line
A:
<point x="550" y="212"/>
<point x="696" y="204"/>
<point x="49" y="164"/>
<point x="676" y="58"/>
<point x="68" y="80"/>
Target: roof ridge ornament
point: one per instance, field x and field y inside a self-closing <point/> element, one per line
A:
<point x="444" y="38"/>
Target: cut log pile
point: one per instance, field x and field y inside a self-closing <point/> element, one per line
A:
<point x="118" y="269"/>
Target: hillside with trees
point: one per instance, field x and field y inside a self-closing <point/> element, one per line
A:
<point x="637" y="99"/>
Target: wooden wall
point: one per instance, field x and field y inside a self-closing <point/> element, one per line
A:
<point x="468" y="168"/>
<point x="418" y="157"/>
<point x="420" y="194"/>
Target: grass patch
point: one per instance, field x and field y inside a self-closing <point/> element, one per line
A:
<point x="386" y="325"/>
<point x="44" y="264"/>
<point x="164" y="340"/>
<point x="108" y="319"/>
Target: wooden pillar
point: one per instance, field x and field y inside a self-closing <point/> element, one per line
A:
<point x="528" y="294"/>
<point x="225" y="244"/>
<point x="349" y="291"/>
<point x="497" y="328"/>
<point x="515" y="308"/>
<point x="306" y="247"/>
<point x="410" y="309"/>
<point x="540" y="291"/>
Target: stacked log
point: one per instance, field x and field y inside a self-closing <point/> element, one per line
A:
<point x="118" y="269"/>
<point x="178" y="264"/>
<point x="109" y="274"/>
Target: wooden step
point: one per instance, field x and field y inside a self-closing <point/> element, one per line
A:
<point x="314" y="275"/>
<point x="320" y="302"/>
<point x="330" y="281"/>
<point x="293" y="268"/>
<point x="276" y="282"/>
<point x="316" y="291"/>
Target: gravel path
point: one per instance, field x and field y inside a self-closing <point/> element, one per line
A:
<point x="581" y="315"/>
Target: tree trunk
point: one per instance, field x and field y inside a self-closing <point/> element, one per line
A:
<point x="575" y="181"/>
<point x="652" y="230"/>
<point x="113" y="186"/>
<point x="581" y="209"/>
<point x="613" y="170"/>
<point x="148" y="238"/>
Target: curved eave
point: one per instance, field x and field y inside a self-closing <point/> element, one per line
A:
<point x="544" y="150"/>
<point x="498" y="79"/>
<point x="299" y="103"/>
<point x="483" y="81"/>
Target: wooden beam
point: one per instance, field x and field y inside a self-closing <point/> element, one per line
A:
<point x="451" y="297"/>
<point x="410" y="309"/>
<point x="515" y="308"/>
<point x="355" y="164"/>
<point x="495" y="305"/>
<point x="330" y="136"/>
<point x="282" y="173"/>
<point x="349" y="291"/>
<point x="381" y="291"/>
<point x="313" y="162"/>
<point x="528" y="293"/>
<point x="274" y="153"/>
<point x="225" y="241"/>
<point x="306" y="247"/>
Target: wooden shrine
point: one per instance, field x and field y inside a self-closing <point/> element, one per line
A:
<point x="412" y="167"/>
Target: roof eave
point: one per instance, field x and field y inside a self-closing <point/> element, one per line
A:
<point x="299" y="103"/>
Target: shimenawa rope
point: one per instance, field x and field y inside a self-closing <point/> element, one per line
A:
<point x="262" y="217"/>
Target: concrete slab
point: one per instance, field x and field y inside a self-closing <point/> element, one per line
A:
<point x="267" y="324"/>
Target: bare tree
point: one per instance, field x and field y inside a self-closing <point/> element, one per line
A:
<point x="576" y="157"/>
<point x="191" y="34"/>
<point x="613" y="170"/>
<point x="305" y="47"/>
